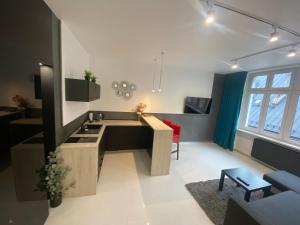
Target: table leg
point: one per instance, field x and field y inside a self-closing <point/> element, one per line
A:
<point x="221" y="183"/>
<point x="247" y="196"/>
<point x="267" y="191"/>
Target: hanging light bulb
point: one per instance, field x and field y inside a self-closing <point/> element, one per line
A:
<point x="274" y="36"/>
<point x="234" y="65"/>
<point x="161" y="72"/>
<point x="154" y="75"/>
<point x="292" y="53"/>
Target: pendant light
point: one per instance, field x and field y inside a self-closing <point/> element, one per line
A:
<point x="161" y="72"/>
<point x="154" y="75"/>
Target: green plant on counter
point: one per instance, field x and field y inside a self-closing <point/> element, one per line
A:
<point x="94" y="78"/>
<point x="52" y="176"/>
<point x="88" y="74"/>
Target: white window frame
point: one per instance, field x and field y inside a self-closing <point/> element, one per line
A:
<point x="291" y="116"/>
<point x="290" y="108"/>
<point x="264" y="115"/>
<point x="244" y="114"/>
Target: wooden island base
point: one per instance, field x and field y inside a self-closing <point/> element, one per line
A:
<point x="85" y="159"/>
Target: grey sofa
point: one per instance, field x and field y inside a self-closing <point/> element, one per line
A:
<point x="279" y="209"/>
<point x="283" y="181"/>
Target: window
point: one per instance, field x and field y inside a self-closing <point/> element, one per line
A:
<point x="295" y="132"/>
<point x="276" y="107"/>
<point x="271" y="105"/>
<point x="281" y="80"/>
<point x="259" y="81"/>
<point x="254" y="110"/>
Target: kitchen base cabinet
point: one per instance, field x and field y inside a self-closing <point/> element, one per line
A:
<point x="101" y="150"/>
<point x="129" y="137"/>
<point x="84" y="164"/>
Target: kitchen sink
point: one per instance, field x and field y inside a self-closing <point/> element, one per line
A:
<point x="93" y="126"/>
<point x="81" y="140"/>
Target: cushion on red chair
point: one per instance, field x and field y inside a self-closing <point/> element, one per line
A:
<point x="176" y="139"/>
<point x="168" y="122"/>
<point x="176" y="130"/>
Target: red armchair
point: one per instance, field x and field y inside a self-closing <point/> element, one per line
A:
<point x="176" y="134"/>
<point x="168" y="122"/>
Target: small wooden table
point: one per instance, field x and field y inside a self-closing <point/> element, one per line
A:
<point x="245" y="179"/>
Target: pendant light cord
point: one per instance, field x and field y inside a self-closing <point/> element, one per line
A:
<point x="161" y="70"/>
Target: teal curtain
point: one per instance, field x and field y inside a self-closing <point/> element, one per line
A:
<point x="229" y="111"/>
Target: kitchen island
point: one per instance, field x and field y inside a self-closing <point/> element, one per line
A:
<point x="86" y="158"/>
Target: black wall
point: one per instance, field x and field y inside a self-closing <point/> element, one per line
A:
<point x="28" y="35"/>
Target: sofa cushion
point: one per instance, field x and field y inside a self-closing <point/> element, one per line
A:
<point x="283" y="180"/>
<point x="279" y="209"/>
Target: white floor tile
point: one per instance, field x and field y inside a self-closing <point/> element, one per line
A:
<point x="127" y="195"/>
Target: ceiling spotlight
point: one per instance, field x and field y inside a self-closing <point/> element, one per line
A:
<point x="274" y="36"/>
<point x="210" y="14"/>
<point x="234" y="65"/>
<point x="292" y="53"/>
<point x="210" y="17"/>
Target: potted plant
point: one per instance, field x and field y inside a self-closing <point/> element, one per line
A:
<point x="93" y="78"/>
<point x="22" y="104"/>
<point x="52" y="176"/>
<point x="88" y="74"/>
<point x="140" y="109"/>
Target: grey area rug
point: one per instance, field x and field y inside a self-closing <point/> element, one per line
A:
<point x="214" y="202"/>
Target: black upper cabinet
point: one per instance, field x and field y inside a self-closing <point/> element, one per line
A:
<point x="81" y="90"/>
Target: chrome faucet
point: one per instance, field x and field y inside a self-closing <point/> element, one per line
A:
<point x="83" y="127"/>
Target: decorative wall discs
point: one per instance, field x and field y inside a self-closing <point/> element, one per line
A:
<point x="123" y="89"/>
<point x="115" y="85"/>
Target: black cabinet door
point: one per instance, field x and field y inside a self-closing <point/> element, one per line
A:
<point x="97" y="91"/>
<point x="81" y="90"/>
<point x="102" y="148"/>
<point x="77" y="90"/>
<point x="129" y="137"/>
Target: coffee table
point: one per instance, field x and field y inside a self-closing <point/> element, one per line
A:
<point x="245" y="179"/>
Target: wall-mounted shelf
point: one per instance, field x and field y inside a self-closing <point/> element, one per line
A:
<point x="81" y="90"/>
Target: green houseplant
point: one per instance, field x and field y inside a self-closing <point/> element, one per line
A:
<point x="52" y="176"/>
<point x="93" y="78"/>
<point x="88" y="74"/>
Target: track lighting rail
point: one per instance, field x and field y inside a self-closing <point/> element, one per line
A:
<point x="255" y="17"/>
<point x="267" y="50"/>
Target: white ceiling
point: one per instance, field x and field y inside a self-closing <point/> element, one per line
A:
<point x="138" y="30"/>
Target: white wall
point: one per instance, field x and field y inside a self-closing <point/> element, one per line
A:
<point x="177" y="84"/>
<point x="74" y="61"/>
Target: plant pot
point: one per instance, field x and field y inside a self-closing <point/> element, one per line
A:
<point x="87" y="78"/>
<point x="56" y="200"/>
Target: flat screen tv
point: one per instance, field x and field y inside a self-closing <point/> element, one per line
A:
<point x="197" y="105"/>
